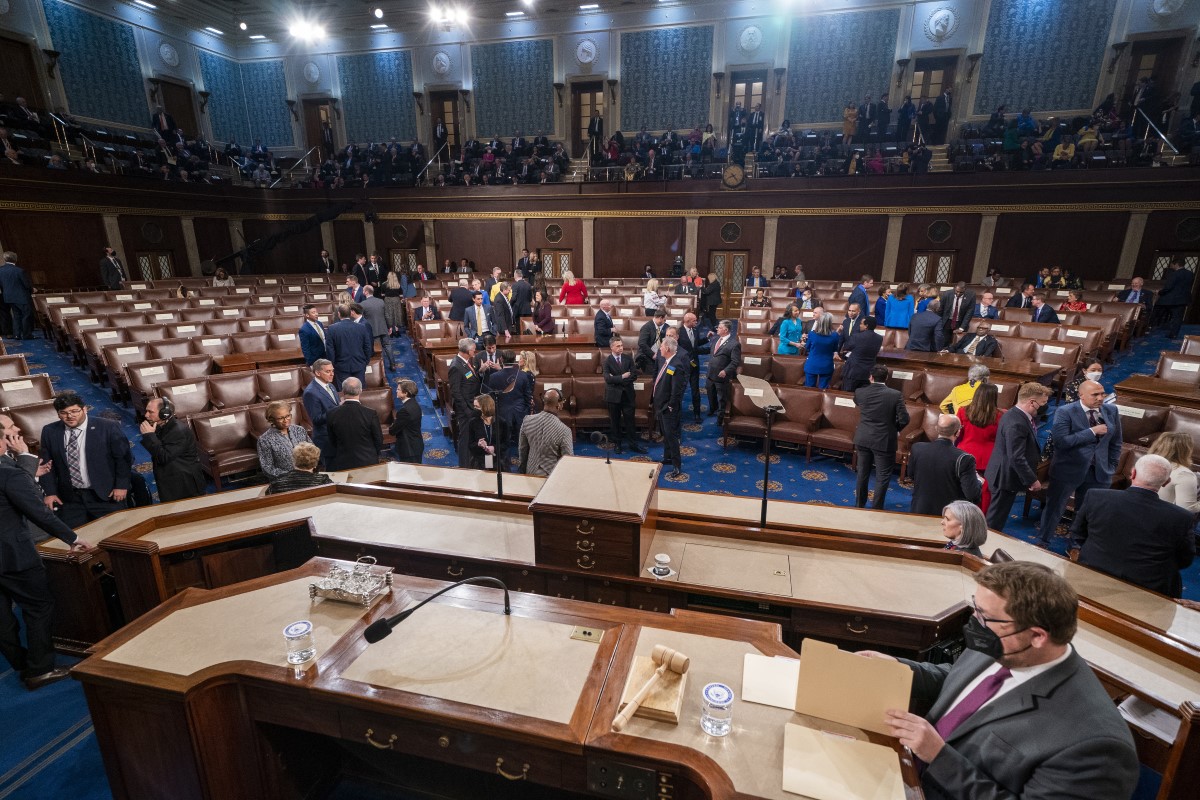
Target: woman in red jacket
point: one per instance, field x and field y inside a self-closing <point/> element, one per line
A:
<point x="573" y="292"/>
<point x="980" y="419"/>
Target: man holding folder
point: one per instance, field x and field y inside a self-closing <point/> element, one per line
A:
<point x="1020" y="714"/>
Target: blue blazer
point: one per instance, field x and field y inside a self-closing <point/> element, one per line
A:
<point x="988" y="312"/>
<point x="859" y="295"/>
<point x="318" y="404"/>
<point x="1076" y="448"/>
<point x="820" y="353"/>
<point x="1044" y="314"/>
<point x="350" y="347"/>
<point x="311" y="343"/>
<point x="926" y="333"/>
<point x="106" y="451"/>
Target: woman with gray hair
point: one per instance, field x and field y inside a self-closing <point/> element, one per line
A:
<point x="964" y="393"/>
<point x="275" y="446"/>
<point x="820" y="344"/>
<point x="964" y="527"/>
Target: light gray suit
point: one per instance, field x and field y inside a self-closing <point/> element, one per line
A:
<point x="1058" y="736"/>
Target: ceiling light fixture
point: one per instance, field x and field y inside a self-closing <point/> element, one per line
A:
<point x="242" y="26"/>
<point x="213" y="30"/>
<point x="379" y="27"/>
<point x="308" y="31"/>
<point x="144" y="4"/>
<point x="514" y="13"/>
<point x="257" y="36"/>
<point x="447" y="15"/>
<point x="378" y="13"/>
<point x="589" y="6"/>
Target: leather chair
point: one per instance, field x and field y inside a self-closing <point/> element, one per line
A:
<point x="213" y="291"/>
<point x="376" y="376"/>
<point x="757" y="366"/>
<point x="895" y="338"/>
<point x="752" y="314"/>
<point x="552" y="362"/>
<point x="1061" y="354"/>
<point x="441" y="384"/>
<point x="116" y="358"/>
<point x="283" y="339"/>
<point x="921" y="427"/>
<point x="93" y="350"/>
<point x="31" y="418"/>
<point x="184" y="330"/>
<point x="233" y="389"/>
<point x="143" y="377"/>
<point x="1037" y="331"/>
<point x="1178" y="368"/>
<point x="278" y="384"/>
<point x="584" y="362"/>
<point x="834" y="428"/>
<point x="754" y="327"/>
<point x="566" y="386"/>
<point x="643" y="395"/>
<point x="1183" y="420"/>
<point x="1016" y="349"/>
<point x="788" y="370"/>
<point x="197" y="314"/>
<point x="585" y="327"/>
<point x="26" y="389"/>
<point x="190" y="397"/>
<point x="909" y="381"/>
<point x="254" y="324"/>
<point x="212" y="345"/>
<point x="744" y="418"/>
<point x="13" y="367"/>
<point x="1140" y="422"/>
<point x="156" y="317"/>
<point x="800" y="407"/>
<point x="1016" y="314"/>
<point x="1001" y="329"/>
<point x="1114" y="337"/>
<point x="195" y="366"/>
<point x="938" y="385"/>
<point x="250" y="342"/>
<point x="756" y="345"/>
<point x="383" y="401"/>
<point x="221" y="327"/>
<point x="587" y="402"/>
<point x="171" y="348"/>
<point x="225" y="444"/>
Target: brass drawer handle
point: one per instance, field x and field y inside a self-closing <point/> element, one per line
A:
<point x="509" y="775"/>
<point x="450" y="571"/>
<point x="850" y="627"/>
<point x="585" y="562"/>
<point x="379" y="745"/>
<point x="585" y="546"/>
<point x="579" y="528"/>
<point x="443" y="741"/>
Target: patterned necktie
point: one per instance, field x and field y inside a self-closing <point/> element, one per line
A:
<point x="329" y="388"/>
<point x="1133" y="297"/>
<point x="1093" y="417"/>
<point x="974" y="344"/>
<point x="974" y="701"/>
<point x="662" y="370"/>
<point x="480" y="326"/>
<point x="73" y="464"/>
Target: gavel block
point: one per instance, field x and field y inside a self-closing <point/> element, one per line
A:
<point x="665" y="699"/>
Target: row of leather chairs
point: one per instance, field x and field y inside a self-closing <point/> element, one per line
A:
<point x="23" y="389"/>
<point x="13" y="366"/>
<point x="1179" y="368"/>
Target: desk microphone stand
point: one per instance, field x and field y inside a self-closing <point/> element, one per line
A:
<point x="763" y="396"/>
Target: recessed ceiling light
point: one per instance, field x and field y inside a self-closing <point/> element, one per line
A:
<point x="144" y="4"/>
<point x="379" y="27"/>
<point x="211" y="29"/>
<point x="242" y="26"/>
<point x="514" y="13"/>
<point x="378" y="13"/>
<point x="589" y="7"/>
<point x="257" y="36"/>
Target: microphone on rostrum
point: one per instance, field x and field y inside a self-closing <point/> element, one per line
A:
<point x="381" y="628"/>
<point x="599" y="438"/>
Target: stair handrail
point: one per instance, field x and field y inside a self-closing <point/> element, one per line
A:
<point x="1161" y="135"/>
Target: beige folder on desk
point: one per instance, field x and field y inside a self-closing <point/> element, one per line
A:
<point x="825" y="766"/>
<point x="847" y="688"/>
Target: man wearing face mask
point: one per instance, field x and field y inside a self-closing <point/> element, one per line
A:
<point x="1020" y="714"/>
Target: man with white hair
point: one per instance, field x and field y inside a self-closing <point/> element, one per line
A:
<point x="354" y="431"/>
<point x="1133" y="535"/>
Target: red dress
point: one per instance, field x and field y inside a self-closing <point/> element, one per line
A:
<point x="573" y="294"/>
<point x="1079" y="306"/>
<point x="979" y="442"/>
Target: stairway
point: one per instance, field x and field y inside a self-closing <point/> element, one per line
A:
<point x="941" y="158"/>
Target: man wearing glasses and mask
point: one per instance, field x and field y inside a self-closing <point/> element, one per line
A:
<point x="1020" y="714"/>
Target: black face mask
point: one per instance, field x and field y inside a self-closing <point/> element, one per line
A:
<point x="982" y="639"/>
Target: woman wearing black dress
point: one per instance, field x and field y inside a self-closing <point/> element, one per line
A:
<point x="410" y="445"/>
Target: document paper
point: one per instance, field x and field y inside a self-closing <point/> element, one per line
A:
<point x="850" y="689"/>
<point x="770" y="681"/>
<point x="826" y="766"/>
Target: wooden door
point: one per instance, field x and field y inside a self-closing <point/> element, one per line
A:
<point x="731" y="268"/>
<point x="555" y="262"/>
<point x="1157" y="58"/>
<point x="933" y="267"/>
<point x="930" y="76"/>
<point x="586" y="99"/>
<point x="153" y="265"/>
<point x="178" y="101"/>
<point x="318" y="129"/>
<point x="747" y="88"/>
<point x="402" y="261"/>
<point x="1191" y="262"/>
<point x="444" y="106"/>
<point x="19" y="75"/>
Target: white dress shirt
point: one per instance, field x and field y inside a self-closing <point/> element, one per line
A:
<point x="1019" y="675"/>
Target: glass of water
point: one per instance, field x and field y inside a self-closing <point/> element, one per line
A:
<point x="300" y="645"/>
<point x="716" y="709"/>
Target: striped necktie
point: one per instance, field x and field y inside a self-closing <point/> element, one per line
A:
<point x="73" y="463"/>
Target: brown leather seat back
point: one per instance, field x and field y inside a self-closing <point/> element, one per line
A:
<point x="197" y="314"/>
<point x="250" y="342"/>
<point x="585" y="362"/>
<point x="1017" y="349"/>
<point x="147" y="333"/>
<point x="937" y="385"/>
<point x="787" y="369"/>
<point x="143" y="376"/>
<point x="754" y="327"/>
<point x="563" y="383"/>
<point x="196" y="366"/>
<point x="95" y="340"/>
<point x="429" y="329"/>
<point x="25" y="389"/>
<point x="755" y="345"/>
<point x="13" y="366"/>
<point x="184" y="330"/>
<point x="31" y="418"/>
<point x="233" y="389"/>
<point x="801" y="405"/>
<point x="1184" y="420"/>
<point x="189" y="396"/>
<point x="221" y="327"/>
<point x="552" y="362"/>
<point x="382" y="401"/>
<point x="742" y="406"/>
<point x="375" y="374"/>
<point x="224" y="432"/>
<point x="258" y="324"/>
<point x="277" y="384"/>
<point x="589" y="408"/>
<point x="1038" y="331"/>
<point x="1063" y="354"/>
<point x="757" y="366"/>
<point x="283" y="339"/>
<point x="212" y="345"/>
<point x="126" y="318"/>
<point x="171" y="348"/>
<point x="585" y="327"/>
<point x="908" y="381"/>
<point x="117" y="356"/>
<point x="1141" y="422"/>
<point x="1178" y="368"/>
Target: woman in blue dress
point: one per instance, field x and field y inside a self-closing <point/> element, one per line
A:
<point x="899" y="309"/>
<point x="881" y="303"/>
<point x="820" y="343"/>
<point x="791" y="330"/>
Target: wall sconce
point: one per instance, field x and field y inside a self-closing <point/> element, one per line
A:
<point x="204" y="100"/>
<point x="779" y="73"/>
<point x="612" y="90"/>
<point x="1118" y="48"/>
<point x="155" y="88"/>
<point x="333" y="101"/>
<point x="53" y="56"/>
<point x="465" y="94"/>
<point x="718" y="77"/>
<point x="292" y="108"/>
<point x="972" y="63"/>
<point x="558" y="87"/>
<point x="417" y="96"/>
<point x="902" y="63"/>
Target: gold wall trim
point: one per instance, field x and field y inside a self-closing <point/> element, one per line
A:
<point x="72" y="208"/>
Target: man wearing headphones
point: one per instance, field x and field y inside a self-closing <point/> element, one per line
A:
<point x="172" y="448"/>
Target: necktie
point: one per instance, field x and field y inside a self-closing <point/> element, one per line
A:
<point x="720" y="342"/>
<point x="333" y="396"/>
<point x="971" y="347"/>
<point x="320" y="332"/>
<point x="73" y="464"/>
<point x="974" y="701"/>
<point x="1093" y="417"/>
<point x="480" y="325"/>
<point x="957" y="303"/>
<point x="1133" y="297"/>
<point x="661" y="371"/>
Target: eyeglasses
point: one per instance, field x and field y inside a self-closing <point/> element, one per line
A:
<point x="71" y="412"/>
<point x="979" y="616"/>
<point x="282" y="418"/>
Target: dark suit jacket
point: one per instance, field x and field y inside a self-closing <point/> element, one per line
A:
<point x="20" y="500"/>
<point x="966" y="309"/>
<point x="1072" y="740"/>
<point x="669" y="392"/>
<point x="859" y="295"/>
<point x="1019" y="300"/>
<point x="710" y="296"/>
<point x="985" y="312"/>
<point x="941" y="474"/>
<point x="464" y="387"/>
<point x="502" y="315"/>
<point x="860" y="351"/>
<point x="988" y="347"/>
<point x="311" y="343"/>
<point x="434" y="313"/>
<point x="318" y="404"/>
<point x="355" y="435"/>
<point x="15" y="287"/>
<point x="1176" y="289"/>
<point x="350" y="346"/>
<point x="1076" y="448"/>
<point x="603" y="328"/>
<point x="410" y="445"/>
<point x="1013" y="466"/>
<point x="694" y="348"/>
<point x="110" y="276"/>
<point x="1145" y="297"/>
<point x="107" y="453"/>
<point x="1135" y="536"/>
<point x="177" y="471"/>
<point x="926" y="333"/>
<point x="1044" y="314"/>
<point x="616" y="388"/>
<point x="522" y="298"/>
<point x="648" y="339"/>
<point x="460" y="298"/>
<point x="727" y="358"/>
<point x="881" y="415"/>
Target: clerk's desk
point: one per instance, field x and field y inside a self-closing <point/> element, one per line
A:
<point x="194" y="700"/>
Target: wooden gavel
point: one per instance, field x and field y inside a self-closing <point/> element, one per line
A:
<point x="667" y="659"/>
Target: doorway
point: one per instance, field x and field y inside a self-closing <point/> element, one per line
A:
<point x="554" y="262"/>
<point x="155" y="265"/>
<point x="177" y="99"/>
<point x="19" y="75"/>
<point x="402" y="262"/>
<point x="1157" y="59"/>
<point x="318" y="128"/>
<point x="930" y="76"/>
<point x="934" y="266"/>
<point x="730" y="268"/>
<point x="747" y="88"/>
<point x="587" y="99"/>
<point x="444" y="106"/>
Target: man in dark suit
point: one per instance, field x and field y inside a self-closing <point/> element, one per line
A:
<point x="162" y="123"/>
<point x="461" y="298"/>
<point x="980" y="343"/>
<point x="602" y="326"/>
<point x="525" y="263"/>
<point x="881" y="414"/>
<point x="1013" y="466"/>
<point x="669" y="383"/>
<point x="22" y="576"/>
<point x="692" y="345"/>
<point x="926" y="331"/>
<point x="859" y="294"/>
<point x="723" y="367"/>
<point x="1133" y="534"/>
<point x="859" y="352"/>
<point x="1087" y="447"/>
<point x="465" y="384"/>
<point x="375" y="317"/>
<point x="941" y="473"/>
<point x="1043" y="312"/>
<point x="477" y="319"/>
<point x="1019" y="681"/>
<point x="503" y="317"/>
<point x="851" y="324"/>
<point x="755" y="125"/>
<point x="595" y="132"/>
<point x="173" y="452"/>
<point x="319" y="398"/>
<point x="354" y="288"/>
<point x="986" y="307"/>
<point x="1137" y="293"/>
<point x="427" y="310"/>
<point x="521" y="297"/>
<point x="349" y="344"/>
<point x="491" y="359"/>
<point x="958" y="306"/>
<point x="1174" y="297"/>
<point x="354" y="430"/>
<point x="1023" y="299"/>
<point x="17" y="292"/>
<point x="619" y="394"/>
<point x="325" y="263"/>
<point x="866" y="118"/>
<point x="89" y="461"/>
<point x="112" y="271"/>
<point x="312" y="335"/>
<point x="649" y="336"/>
<point x="756" y="279"/>
<point x="943" y="108"/>
<point x="361" y="270"/>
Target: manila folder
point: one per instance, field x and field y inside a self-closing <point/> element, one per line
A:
<point x="842" y="687"/>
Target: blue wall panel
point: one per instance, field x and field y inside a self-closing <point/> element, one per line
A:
<point x="227" y="102"/>
<point x="267" y="112"/>
<point x="377" y="96"/>
<point x="665" y="78"/>
<point x="513" y="87"/>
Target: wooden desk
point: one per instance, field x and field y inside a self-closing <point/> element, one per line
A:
<point x="243" y="362"/>
<point x="1157" y="391"/>
<point x="1002" y="370"/>
<point x="229" y="719"/>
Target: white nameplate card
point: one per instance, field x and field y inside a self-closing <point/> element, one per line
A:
<point x="1053" y="348"/>
<point x="807" y="315"/>
<point x="142" y="306"/>
<point x="1113" y="286"/>
<point x="638" y="386"/>
<point x="1183" y="367"/>
<point x="210" y="342"/>
<point x="752" y="360"/>
<point x="548" y="386"/>
<point x="185" y="328"/>
<point x="847" y="285"/>
<point x="124" y="297"/>
<point x="270" y="281"/>
<point x="217" y="422"/>
<point x="84" y="323"/>
<point x="584" y="356"/>
<point x="257" y="323"/>
<point x="295" y="288"/>
<point x="190" y="388"/>
<point x="614" y="283"/>
<point x="320" y="297"/>
<point x="1077" y="334"/>
<point x="267" y="299"/>
<point x="753" y="392"/>
<point x="291" y="309"/>
<point x="945" y="288"/>
<point x="151" y="371"/>
<point x="164" y="316"/>
<point x="902" y="376"/>
<point x="230" y="312"/>
<point x="69" y="310"/>
<point x="241" y="291"/>
<point x="757" y="312"/>
<point x="139" y="286"/>
<point x="286" y="337"/>
<point x="280" y="376"/>
<point x="606" y="291"/>
<point x="1128" y="411"/>
<point x="625" y="312"/>
<point x="18" y="385"/>
<point x="55" y="300"/>
<point x="754" y="341"/>
<point x="107" y="334"/>
<point x="845" y="402"/>
<point x="996" y="326"/>
<point x="577" y="312"/>
<point x="207" y="301"/>
<point x="128" y="351"/>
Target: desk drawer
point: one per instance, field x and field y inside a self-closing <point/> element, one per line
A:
<point x="577" y="543"/>
<point x="620" y="564"/>
<point x="573" y="528"/>
<point x="853" y="627"/>
<point x="513" y="760"/>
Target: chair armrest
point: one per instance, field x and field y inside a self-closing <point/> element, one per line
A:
<point x="814" y="422"/>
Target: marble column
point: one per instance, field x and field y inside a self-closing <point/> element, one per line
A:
<point x="1133" y="243"/>
<point x="589" y="247"/>
<point x="189" y="242"/>
<point x="983" y="247"/>
<point x="891" y="248"/>
<point x="691" y="235"/>
<point x="770" y="239"/>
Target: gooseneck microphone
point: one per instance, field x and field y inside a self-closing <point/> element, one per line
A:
<point x="381" y="628"/>
<point x="599" y="438"/>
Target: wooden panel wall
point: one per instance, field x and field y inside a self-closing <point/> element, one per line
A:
<point x="1162" y="235"/>
<point x="1087" y="244"/>
<point x="624" y="246"/>
<point x="212" y="238"/>
<point x="572" y="238"/>
<point x="60" y="251"/>
<point x="349" y="240"/>
<point x="387" y="238"/>
<point x="832" y="248"/>
<point x="914" y="237"/>
<point x="138" y="234"/>
<point x="487" y="242"/>
<point x="708" y="238"/>
<point x="295" y="253"/>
